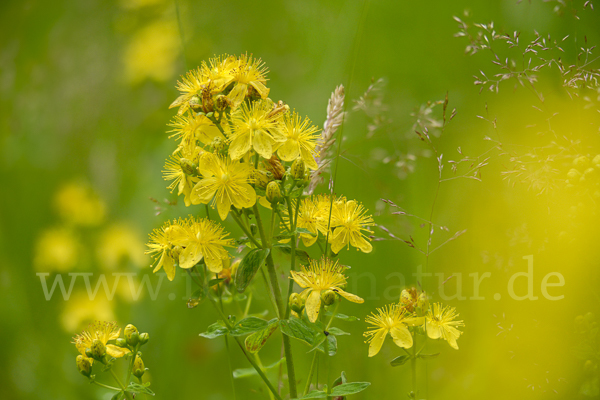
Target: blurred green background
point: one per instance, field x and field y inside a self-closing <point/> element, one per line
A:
<point x="84" y="94"/>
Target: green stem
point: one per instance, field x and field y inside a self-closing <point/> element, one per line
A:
<point x="239" y="221"/>
<point x="106" y="386"/>
<point x="142" y="383"/>
<point x="250" y="360"/>
<point x="123" y="388"/>
<point x="293" y="223"/>
<point x="287" y="347"/>
<point x="220" y="291"/>
<point x="413" y="366"/>
<point x="311" y="372"/>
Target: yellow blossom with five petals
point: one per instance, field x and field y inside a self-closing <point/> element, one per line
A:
<point x="441" y="324"/>
<point x="104" y="332"/>
<point x="301" y="139"/>
<point x="394" y="320"/>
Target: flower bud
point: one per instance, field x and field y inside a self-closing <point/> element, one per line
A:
<point x="222" y="102"/>
<point x="296" y="303"/>
<point x="175" y="252"/>
<point x="195" y="104"/>
<point x="573" y="174"/>
<point x="188" y="167"/>
<point x="98" y="349"/>
<point x="144" y="337"/>
<point x="273" y="192"/>
<point x="261" y="178"/>
<point x="121" y="342"/>
<point x="131" y="335"/>
<point x="138" y="367"/>
<point x="423" y="302"/>
<point x="275" y="167"/>
<point x="84" y="365"/>
<point x="218" y="144"/>
<point x="298" y="169"/>
<point x="581" y="161"/>
<point x="328" y="297"/>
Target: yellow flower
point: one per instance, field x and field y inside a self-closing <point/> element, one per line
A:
<point x="190" y="127"/>
<point x="441" y="324"/>
<point x="179" y="178"/>
<point x="301" y="140"/>
<point x="78" y="204"/>
<point x="348" y="220"/>
<point x="310" y="217"/>
<point x="104" y="332"/>
<point x="57" y="249"/>
<point x="206" y="240"/>
<point x="256" y="126"/>
<point x="248" y="71"/>
<point x="224" y="182"/>
<point x="320" y="275"/>
<point x="161" y="244"/>
<point x="80" y="309"/>
<point x="120" y="243"/>
<point x="391" y="319"/>
<point x="140" y="58"/>
<point x="206" y="80"/>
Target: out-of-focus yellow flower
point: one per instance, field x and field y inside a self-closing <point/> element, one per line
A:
<point x="301" y="140"/>
<point x="190" y="127"/>
<point x="349" y="221"/>
<point x="441" y="324"/>
<point x="256" y="126"/>
<point x="79" y="205"/>
<point x="152" y="52"/>
<point x="80" y="310"/>
<point x="390" y="319"/>
<point x="120" y="243"/>
<point x="204" y="239"/>
<point x="57" y="249"/>
<point x="321" y="275"/>
<point x="104" y="332"/>
<point x="248" y="71"/>
<point x="224" y="182"/>
<point x="162" y="242"/>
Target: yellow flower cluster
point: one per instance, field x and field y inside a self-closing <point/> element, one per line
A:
<point x="186" y="242"/>
<point x="224" y="120"/>
<point x="413" y="310"/>
<point x="344" y="222"/>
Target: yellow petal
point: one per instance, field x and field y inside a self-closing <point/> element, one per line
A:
<point x="377" y="342"/>
<point x="358" y="241"/>
<point x="402" y="336"/>
<point x="237" y="94"/>
<point x="115" y="351"/>
<point x="245" y="196"/>
<point x="190" y="256"/>
<point x="223" y="205"/>
<point x="416" y="321"/>
<point x="262" y="144"/>
<point x="349" y="296"/>
<point x="260" y="88"/>
<point x="214" y="264"/>
<point x="433" y="332"/>
<point x="160" y="262"/>
<point x="309" y="159"/>
<point x="239" y="146"/>
<point x="169" y="266"/>
<point x="300" y="279"/>
<point x="289" y="151"/>
<point x="204" y="191"/>
<point x="313" y="305"/>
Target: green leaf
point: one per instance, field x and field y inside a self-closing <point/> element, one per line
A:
<point x="346" y="389"/>
<point x="248" y="325"/>
<point x="399" y="361"/>
<point x="305" y="231"/>
<point x="302" y="255"/>
<point x="298" y="329"/>
<point x="213" y="282"/>
<point x="246" y="372"/>
<point x="257" y="340"/>
<point x="315" y="394"/>
<point x="428" y="355"/>
<point x="344" y="317"/>
<point x="337" y="332"/>
<point x="137" y="388"/>
<point x="248" y="268"/>
<point x="215" y="330"/>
